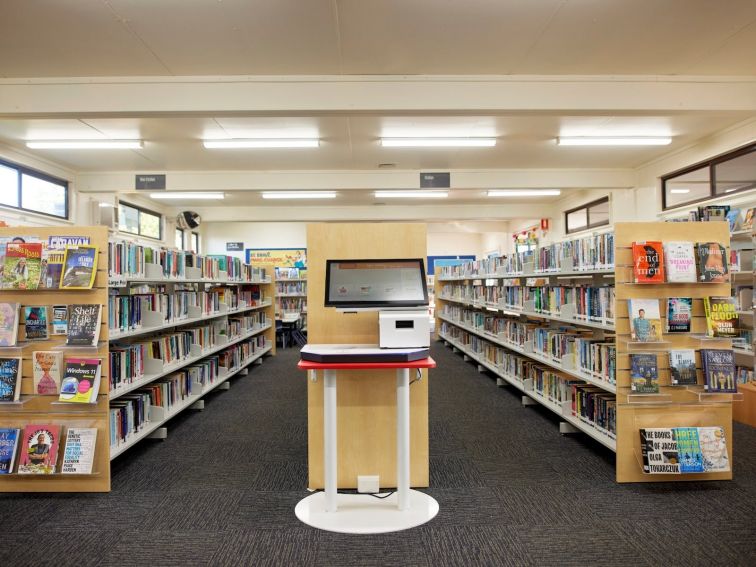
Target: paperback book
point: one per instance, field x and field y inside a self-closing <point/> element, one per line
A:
<point x="689" y="450"/>
<point x="679" y="314"/>
<point x="8" y="324"/>
<point x="78" y="456"/>
<point x="39" y="450"/>
<point x="748" y="221"/>
<point x="79" y="267"/>
<point x="644" y="374"/>
<point x="714" y="449"/>
<point x="35" y="317"/>
<point x="81" y="380"/>
<point x="10" y="379"/>
<point x="60" y="319"/>
<point x="645" y="320"/>
<point x="721" y="317"/>
<point x="54" y="255"/>
<point x="711" y="260"/>
<point x="659" y="451"/>
<point x="46" y="365"/>
<point x="682" y="367"/>
<point x="8" y="449"/>
<point x="22" y="268"/>
<point x="680" y="261"/>
<point x="719" y="370"/>
<point x="648" y="262"/>
<point x="84" y="324"/>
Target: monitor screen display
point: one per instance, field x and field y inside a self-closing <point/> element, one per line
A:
<point x="376" y="283"/>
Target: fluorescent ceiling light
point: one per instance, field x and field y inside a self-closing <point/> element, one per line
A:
<point x="411" y="194"/>
<point x="679" y="191"/>
<point x="261" y="143"/>
<point x="298" y="194"/>
<point x="84" y="144"/>
<point x="523" y="192"/>
<point x="438" y="142"/>
<point x="614" y="140"/>
<point x="188" y="195"/>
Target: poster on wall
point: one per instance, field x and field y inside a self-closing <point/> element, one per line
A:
<point x="279" y="257"/>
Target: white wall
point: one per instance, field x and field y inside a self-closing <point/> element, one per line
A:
<point x="253" y="234"/>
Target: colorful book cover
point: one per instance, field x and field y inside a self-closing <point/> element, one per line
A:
<point x="8" y="449"/>
<point x="714" y="448"/>
<point x="721" y="317"/>
<point x="22" y="268"/>
<point x="648" y="262"/>
<point x="39" y="449"/>
<point x="81" y="381"/>
<point x="748" y="221"/>
<point x="682" y="367"/>
<point x="84" y="324"/>
<point x="78" y="456"/>
<point x="79" y="267"/>
<point x="645" y="320"/>
<point x="679" y="314"/>
<point x="8" y="324"/>
<point x="644" y="374"/>
<point x="719" y="370"/>
<point x="711" y="260"/>
<point x="732" y="217"/>
<point x="689" y="450"/>
<point x="46" y="365"/>
<point x="60" y="319"/>
<point x="36" y="322"/>
<point x="659" y="451"/>
<point x="680" y="260"/>
<point x="55" y="254"/>
<point x="10" y="379"/>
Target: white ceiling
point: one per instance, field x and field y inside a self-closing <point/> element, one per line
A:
<point x="54" y="38"/>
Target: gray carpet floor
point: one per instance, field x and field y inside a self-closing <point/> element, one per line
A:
<point x="221" y="490"/>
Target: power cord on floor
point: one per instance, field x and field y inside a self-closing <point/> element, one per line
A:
<point x="377" y="495"/>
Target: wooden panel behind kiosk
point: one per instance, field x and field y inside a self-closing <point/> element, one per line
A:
<point x="366" y="399"/>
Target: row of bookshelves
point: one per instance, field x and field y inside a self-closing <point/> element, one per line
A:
<point x="605" y="272"/>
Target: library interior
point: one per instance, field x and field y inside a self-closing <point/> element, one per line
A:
<point x="314" y="283"/>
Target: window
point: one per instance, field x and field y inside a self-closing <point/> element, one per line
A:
<point x="195" y="243"/>
<point x="29" y="190"/>
<point x="590" y="215"/>
<point x="136" y="220"/>
<point x="179" y="239"/>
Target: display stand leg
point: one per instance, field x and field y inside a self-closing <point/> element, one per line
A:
<point x="330" y="462"/>
<point x="402" y="437"/>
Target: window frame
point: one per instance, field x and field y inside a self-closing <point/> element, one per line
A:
<point x="194" y="237"/>
<point x="141" y="210"/>
<point x="588" y="224"/>
<point x="22" y="170"/>
<point x="183" y="236"/>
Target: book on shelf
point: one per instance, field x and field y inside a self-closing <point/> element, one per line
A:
<point x="81" y="380"/>
<point x="713" y="443"/>
<point x="659" y="451"/>
<point x="679" y="314"/>
<point x="35" y="317"/>
<point x="721" y="317"/>
<point x="46" y="366"/>
<point x="53" y="258"/>
<point x="78" y="455"/>
<point x="689" y="450"/>
<point x="39" y="449"/>
<point x="682" y="367"/>
<point x="22" y="268"/>
<point x="10" y="378"/>
<point x="648" y="262"/>
<point x="84" y="324"/>
<point x="719" y="370"/>
<point x="711" y="261"/>
<point x="645" y="320"/>
<point x="747" y="223"/>
<point x="79" y="267"/>
<point x="684" y="450"/>
<point x="9" y="323"/>
<point x="733" y="218"/>
<point x="8" y="449"/>
<point x="60" y="319"/>
<point x="680" y="260"/>
<point x="644" y="373"/>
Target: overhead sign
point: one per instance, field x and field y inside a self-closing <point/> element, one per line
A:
<point x="279" y="257"/>
<point x="440" y="180"/>
<point x="151" y="181"/>
<point x="234" y="247"/>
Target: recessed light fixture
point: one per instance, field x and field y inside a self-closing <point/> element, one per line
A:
<point x="438" y="142"/>
<point x="523" y="192"/>
<point x="614" y="140"/>
<point x="259" y="143"/>
<point x="84" y="144"/>
<point x="298" y="194"/>
<point x="411" y="194"/>
<point x="188" y="195"/>
<point x="679" y="191"/>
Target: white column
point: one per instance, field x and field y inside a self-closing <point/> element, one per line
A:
<point x="330" y="464"/>
<point x="402" y="437"/>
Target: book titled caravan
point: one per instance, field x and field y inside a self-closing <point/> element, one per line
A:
<point x="711" y="260"/>
<point x="682" y="367"/>
<point x="10" y="379"/>
<point x="644" y="374"/>
<point x="84" y="324"/>
<point x="46" y="365"/>
<point x="684" y="450"/>
<point x="78" y="456"/>
<point x="23" y="265"/>
<point x="54" y="255"/>
<point x="645" y="320"/>
<point x="81" y="381"/>
<point x="8" y="324"/>
<point x="39" y="449"/>
<point x="8" y="449"/>
<point x="679" y="314"/>
<point x="721" y="317"/>
<point x="680" y="260"/>
<point x="79" y="267"/>
<point x="648" y="262"/>
<point x="719" y="370"/>
<point x="35" y="317"/>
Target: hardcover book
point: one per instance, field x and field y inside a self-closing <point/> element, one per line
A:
<point x="39" y="449"/>
<point x="711" y="260"/>
<point x="79" y="267"/>
<point x="8" y="324"/>
<point x="659" y="451"/>
<point x="23" y="265"/>
<point x="84" y="324"/>
<point x="60" y="319"/>
<point x="8" y="449"/>
<point x="721" y="317"/>
<point x="36" y="322"/>
<point x="645" y="321"/>
<point x="644" y="374"/>
<point x="78" y="456"/>
<point x="81" y="381"/>
<point x="714" y="449"/>
<point x="719" y="370"/>
<point x="680" y="260"/>
<point x="679" y="314"/>
<point x="689" y="450"/>
<point x="648" y="262"/>
<point x="10" y="379"/>
<point x="47" y="365"/>
<point x="682" y="367"/>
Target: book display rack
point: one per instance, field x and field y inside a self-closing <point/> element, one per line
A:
<point x="291" y="296"/>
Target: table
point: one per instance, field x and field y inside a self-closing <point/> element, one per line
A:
<point x="360" y="513"/>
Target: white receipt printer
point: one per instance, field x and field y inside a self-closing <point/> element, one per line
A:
<point x="404" y="329"/>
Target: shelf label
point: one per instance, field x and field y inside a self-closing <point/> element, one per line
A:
<point x="149" y="181"/>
